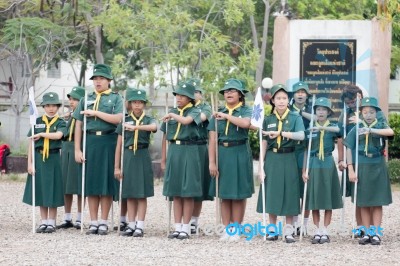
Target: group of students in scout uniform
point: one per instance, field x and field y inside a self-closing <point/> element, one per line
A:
<point x="203" y="151"/>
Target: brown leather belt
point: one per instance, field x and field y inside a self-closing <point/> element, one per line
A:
<point x="139" y="146"/>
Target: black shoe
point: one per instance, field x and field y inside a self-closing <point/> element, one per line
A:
<point x="316" y="239"/>
<point x="138" y="232"/>
<point x="193" y="229"/>
<point x="173" y="235"/>
<point x="50" y="229"/>
<point x="183" y="235"/>
<point x="127" y="232"/>
<point x="289" y="239"/>
<point x="93" y="230"/>
<point x="324" y="239"/>
<point x="102" y="232"/>
<point x="272" y="236"/>
<point x="364" y="240"/>
<point x="65" y="224"/>
<point x="360" y="234"/>
<point x="122" y="226"/>
<point x="77" y="224"/>
<point x="375" y="240"/>
<point x="41" y="228"/>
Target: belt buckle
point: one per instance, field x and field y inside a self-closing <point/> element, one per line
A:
<point x="98" y="133"/>
<point x="130" y="147"/>
<point x="369" y="155"/>
<point x="275" y="150"/>
<point x="177" y="142"/>
<point x="41" y="151"/>
<point x="225" y="144"/>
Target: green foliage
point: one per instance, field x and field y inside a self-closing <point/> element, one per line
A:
<point x="394" y="144"/>
<point x="254" y="135"/>
<point x="394" y="170"/>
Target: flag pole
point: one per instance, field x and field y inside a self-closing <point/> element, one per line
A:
<point x="261" y="161"/>
<point x="83" y="163"/>
<point x="345" y="169"/>
<point x="356" y="165"/>
<point x="122" y="161"/>
<point x="169" y="202"/>
<point x="217" y="204"/>
<point x="307" y="169"/>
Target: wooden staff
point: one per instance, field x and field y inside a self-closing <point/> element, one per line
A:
<point x="83" y="163"/>
<point x="214" y="106"/>
<point x="122" y="161"/>
<point x="345" y="169"/>
<point x="356" y="165"/>
<point x="307" y="169"/>
<point x="261" y="160"/>
<point x="33" y="180"/>
<point x="169" y="203"/>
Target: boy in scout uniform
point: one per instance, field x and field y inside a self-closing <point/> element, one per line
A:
<point x="373" y="188"/>
<point x="103" y="113"/>
<point x="281" y="130"/>
<point x="182" y="178"/>
<point x="235" y="164"/>
<point x="205" y="114"/>
<point x="71" y="171"/>
<point x="48" y="131"/>
<point x="137" y="176"/>
<point x="323" y="181"/>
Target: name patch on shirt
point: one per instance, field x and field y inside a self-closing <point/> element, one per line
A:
<point x="271" y="125"/>
<point x="129" y="122"/>
<point x="40" y="126"/>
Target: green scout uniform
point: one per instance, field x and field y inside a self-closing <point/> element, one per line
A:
<point x="138" y="172"/>
<point x="101" y="141"/>
<point x="349" y="126"/>
<point x="323" y="191"/>
<point x="48" y="177"/>
<point x="281" y="178"/>
<point x="235" y="163"/>
<point x="373" y="188"/>
<point x="71" y="170"/>
<point x="203" y="150"/>
<point x="182" y="176"/>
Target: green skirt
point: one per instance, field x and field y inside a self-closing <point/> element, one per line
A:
<point x="182" y="176"/>
<point x="205" y="173"/>
<point x="48" y="182"/>
<point x="138" y="181"/>
<point x="235" y="166"/>
<point x="99" y="171"/>
<point x="281" y="185"/>
<point x="373" y="188"/>
<point x="71" y="170"/>
<point x="323" y="188"/>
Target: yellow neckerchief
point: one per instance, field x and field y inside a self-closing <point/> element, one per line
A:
<point x="296" y="108"/>
<point x="187" y="106"/>
<point x="230" y="112"/>
<point x="98" y="96"/>
<point x="197" y="103"/>
<point x="321" y="139"/>
<point x="46" y="142"/>
<point x="280" y="124"/>
<point x="367" y="135"/>
<point x="135" y="138"/>
<point x="71" y="129"/>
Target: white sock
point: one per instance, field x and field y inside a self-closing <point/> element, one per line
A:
<point x="288" y="231"/>
<point x="79" y="216"/>
<point x="185" y="228"/>
<point x="178" y="227"/>
<point x="104" y="222"/>
<point x="317" y="231"/>
<point x="305" y="222"/>
<point x="324" y="231"/>
<point x="94" y="222"/>
<point x="51" y="222"/>
<point x="123" y="219"/>
<point x="194" y="220"/>
<point x="67" y="216"/>
<point x="44" y="222"/>
<point x="140" y="224"/>
<point x="132" y="225"/>
<point x="295" y="220"/>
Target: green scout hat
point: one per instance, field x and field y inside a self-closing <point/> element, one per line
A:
<point x="234" y="84"/>
<point x="301" y="86"/>
<point x="136" y="95"/>
<point x="50" y="98"/>
<point x="77" y="93"/>
<point x="102" y="70"/>
<point x="370" y="101"/>
<point x="275" y="89"/>
<point x="324" y="102"/>
<point x="196" y="83"/>
<point x="185" y="89"/>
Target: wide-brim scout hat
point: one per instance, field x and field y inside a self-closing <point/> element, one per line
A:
<point x="234" y="84"/>
<point x="324" y="102"/>
<point x="50" y="98"/>
<point x="301" y="86"/>
<point x="275" y="89"/>
<point x="136" y="95"/>
<point x="371" y="102"/>
<point x="77" y="93"/>
<point x="185" y="89"/>
<point x="102" y="70"/>
<point x="196" y="83"/>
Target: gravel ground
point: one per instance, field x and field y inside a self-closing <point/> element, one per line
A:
<point x="18" y="246"/>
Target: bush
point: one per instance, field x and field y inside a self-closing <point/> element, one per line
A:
<point x="253" y="136"/>
<point x="394" y="170"/>
<point x="394" y="143"/>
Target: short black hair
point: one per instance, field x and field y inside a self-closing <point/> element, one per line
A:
<point x="350" y="92"/>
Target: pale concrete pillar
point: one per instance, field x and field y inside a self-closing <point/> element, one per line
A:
<point x="380" y="59"/>
<point x="281" y="50"/>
